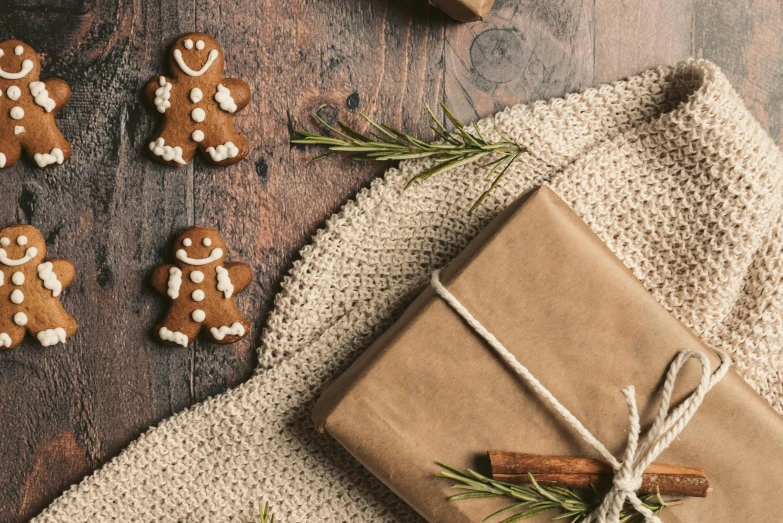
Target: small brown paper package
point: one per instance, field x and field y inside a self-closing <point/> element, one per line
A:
<point x="537" y="278"/>
<point x="464" y="10"/>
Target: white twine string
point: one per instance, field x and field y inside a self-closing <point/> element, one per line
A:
<point x="639" y="453"/>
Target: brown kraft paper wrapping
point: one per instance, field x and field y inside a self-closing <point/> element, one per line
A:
<point x="430" y="389"/>
<point x="464" y="10"/>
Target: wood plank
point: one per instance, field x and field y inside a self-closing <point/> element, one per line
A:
<point x="632" y="37"/>
<point x="525" y="51"/>
<point x="746" y="41"/>
<point x="109" y="211"/>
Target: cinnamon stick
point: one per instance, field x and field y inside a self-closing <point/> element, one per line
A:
<point x="566" y="471"/>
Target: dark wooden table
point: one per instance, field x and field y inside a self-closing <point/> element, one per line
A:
<point x="67" y="409"/>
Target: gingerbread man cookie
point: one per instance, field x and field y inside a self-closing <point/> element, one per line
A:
<point x="27" y="108"/>
<point x="30" y="290"/>
<point x="197" y="105"/>
<point x="202" y="289"/>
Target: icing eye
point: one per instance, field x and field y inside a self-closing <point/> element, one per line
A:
<point x="4" y="241"/>
<point x="22" y="240"/>
<point x="188" y="44"/>
<point x="2" y="52"/>
<point x="200" y="45"/>
<point x="207" y="242"/>
<point x="187" y="242"/>
<point x="18" y="50"/>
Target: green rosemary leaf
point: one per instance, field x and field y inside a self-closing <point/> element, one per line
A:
<point x="472" y="495"/>
<point x="439" y="169"/>
<point x="505" y="509"/>
<point x="530" y="513"/>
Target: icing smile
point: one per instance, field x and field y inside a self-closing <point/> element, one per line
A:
<point x="182" y="256"/>
<point x="213" y="54"/>
<point x="31" y="253"/>
<point x="26" y="67"/>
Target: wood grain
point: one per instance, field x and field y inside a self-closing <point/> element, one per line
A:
<point x="66" y="410"/>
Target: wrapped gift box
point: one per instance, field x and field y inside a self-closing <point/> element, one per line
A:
<point x="464" y="10"/>
<point x="430" y="389"/>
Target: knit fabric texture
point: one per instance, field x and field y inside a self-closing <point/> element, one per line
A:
<point x="668" y="168"/>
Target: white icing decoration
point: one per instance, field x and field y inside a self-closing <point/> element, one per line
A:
<point x="31" y="253"/>
<point x="17" y="113"/>
<point x="49" y="278"/>
<point x="206" y="242"/>
<point x="20" y="318"/>
<point x="159" y="148"/>
<point x="18" y="129"/>
<point x="187" y="242"/>
<point x="223" y="152"/>
<point x="223" y="97"/>
<point x="175" y="281"/>
<point x="2" y="52"/>
<point x="5" y="241"/>
<point x="182" y="256"/>
<point x="200" y="45"/>
<point x="14" y="92"/>
<point x="195" y="276"/>
<point x="188" y="44"/>
<point x="163" y="94"/>
<point x="177" y="337"/>
<point x="224" y="282"/>
<point x="2" y="278"/>
<point x="18" y="277"/>
<point x="235" y="330"/>
<point x="198" y="315"/>
<point x="5" y="340"/>
<point x="41" y="95"/>
<point x="198" y="115"/>
<point x="197" y="135"/>
<point x="51" y="336"/>
<point x="197" y="295"/>
<point x="213" y="54"/>
<point x="27" y="66"/>
<point x="21" y="240"/>
<point x="17" y="296"/>
<point x="56" y="156"/>
<point x="18" y="50"/>
<point x="196" y="95"/>
<point x="2" y="160"/>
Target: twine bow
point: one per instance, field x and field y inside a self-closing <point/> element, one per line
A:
<point x="639" y="452"/>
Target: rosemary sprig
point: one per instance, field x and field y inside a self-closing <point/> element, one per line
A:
<point x="453" y="148"/>
<point x="265" y="514"/>
<point x="529" y="501"/>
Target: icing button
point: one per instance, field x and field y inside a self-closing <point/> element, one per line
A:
<point x="198" y="295"/>
<point x="196" y="276"/>
<point x="197" y="135"/>
<point x="17" y="296"/>
<point x="20" y="318"/>
<point x="198" y="315"/>
<point x="18" y="278"/>
<point x="17" y="113"/>
<point x="197" y="114"/>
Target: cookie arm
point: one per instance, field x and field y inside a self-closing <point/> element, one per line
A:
<point x="64" y="271"/>
<point x="241" y="275"/>
<point x="59" y="91"/>
<point x="160" y="278"/>
<point x="240" y="91"/>
<point x="151" y="87"/>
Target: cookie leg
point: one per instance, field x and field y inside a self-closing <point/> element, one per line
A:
<point x="11" y="333"/>
<point x="49" y="148"/>
<point x="224" y="147"/>
<point x="226" y="328"/>
<point x="173" y="330"/>
<point x="166" y="148"/>
<point x="49" y="332"/>
<point x="10" y="152"/>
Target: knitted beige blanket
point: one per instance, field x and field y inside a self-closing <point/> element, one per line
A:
<point x="668" y="168"/>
